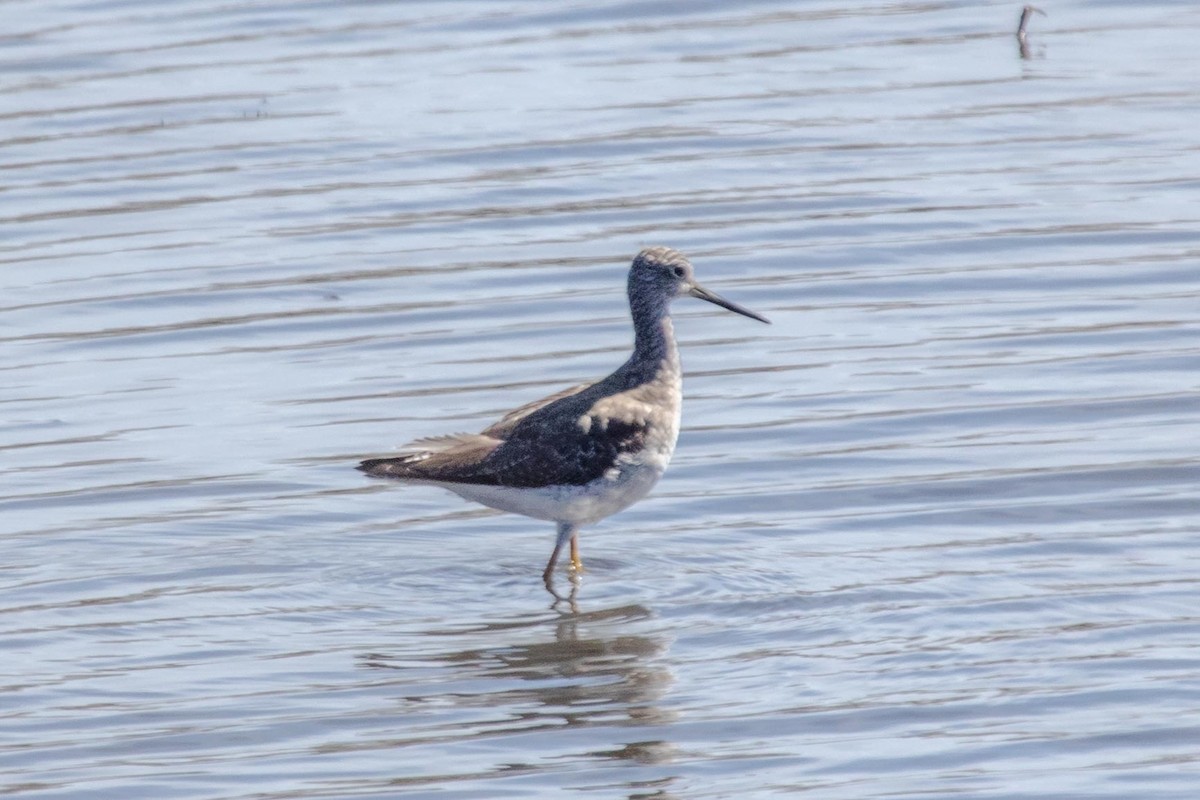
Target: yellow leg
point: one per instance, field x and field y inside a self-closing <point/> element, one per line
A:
<point x="576" y="562"/>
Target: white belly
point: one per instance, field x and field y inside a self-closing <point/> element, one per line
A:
<point x="622" y="486"/>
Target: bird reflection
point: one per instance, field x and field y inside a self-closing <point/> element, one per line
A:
<point x="564" y="601"/>
<point x="543" y="673"/>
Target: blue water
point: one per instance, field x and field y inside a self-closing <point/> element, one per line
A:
<point x="930" y="534"/>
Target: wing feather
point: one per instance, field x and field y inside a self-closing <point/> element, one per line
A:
<point x="502" y="428"/>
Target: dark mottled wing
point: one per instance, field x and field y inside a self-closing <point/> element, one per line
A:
<point x="558" y="454"/>
<point x="455" y="456"/>
<point x="532" y="446"/>
<point x="542" y="450"/>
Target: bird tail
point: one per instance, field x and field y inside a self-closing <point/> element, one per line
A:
<point x="399" y="467"/>
<point x="454" y="458"/>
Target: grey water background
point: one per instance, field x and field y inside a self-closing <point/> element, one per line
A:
<point x="931" y="534"/>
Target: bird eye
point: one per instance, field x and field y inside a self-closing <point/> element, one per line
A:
<point x="679" y="271"/>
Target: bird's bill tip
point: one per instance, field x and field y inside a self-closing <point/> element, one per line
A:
<point x="701" y="293"/>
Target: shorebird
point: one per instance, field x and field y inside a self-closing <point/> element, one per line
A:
<point x="589" y="451"/>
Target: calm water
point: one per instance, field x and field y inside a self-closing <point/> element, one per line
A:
<point x="933" y="533"/>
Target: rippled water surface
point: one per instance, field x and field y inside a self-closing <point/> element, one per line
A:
<point x="933" y="533"/>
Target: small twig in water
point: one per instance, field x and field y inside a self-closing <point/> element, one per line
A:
<point x="1026" y="13"/>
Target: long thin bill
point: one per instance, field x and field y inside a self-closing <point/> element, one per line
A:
<point x="716" y="299"/>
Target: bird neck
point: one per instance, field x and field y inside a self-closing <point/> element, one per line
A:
<point x="654" y="335"/>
